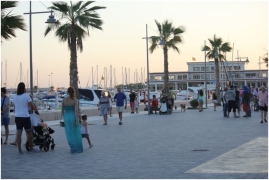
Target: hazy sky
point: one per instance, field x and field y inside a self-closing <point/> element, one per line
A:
<point x="244" y="24"/>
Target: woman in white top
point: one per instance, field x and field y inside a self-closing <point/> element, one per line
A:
<point x="22" y="118"/>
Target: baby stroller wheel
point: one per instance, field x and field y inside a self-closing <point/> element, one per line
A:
<point x="27" y="146"/>
<point x="46" y="146"/>
<point x="52" y="147"/>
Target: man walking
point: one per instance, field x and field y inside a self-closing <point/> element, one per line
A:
<point x="132" y="98"/>
<point x="230" y="97"/>
<point x="5" y="116"/>
<point x="120" y="98"/>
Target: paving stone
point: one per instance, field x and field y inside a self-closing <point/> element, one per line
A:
<point x="144" y="147"/>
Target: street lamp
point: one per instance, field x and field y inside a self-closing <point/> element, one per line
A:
<point x="148" y="64"/>
<point x="50" y="20"/>
<point x="205" y="77"/>
<point x="239" y="59"/>
<point x="260" y="71"/>
<point x="51" y="79"/>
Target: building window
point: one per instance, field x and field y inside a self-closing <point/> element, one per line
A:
<point x="195" y="69"/>
<point x="251" y="75"/>
<point x="184" y="77"/>
<point x="179" y="77"/>
<point x="212" y="68"/>
<point x="158" y="78"/>
<point x="203" y="69"/>
<point x="236" y="67"/>
<point x="196" y="76"/>
<point x="171" y="77"/>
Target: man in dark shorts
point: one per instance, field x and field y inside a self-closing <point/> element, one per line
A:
<point x="237" y="101"/>
<point x="132" y="98"/>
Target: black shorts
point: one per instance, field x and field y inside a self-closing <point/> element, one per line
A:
<point x="23" y="122"/>
<point x="85" y="135"/>
<point x="263" y="108"/>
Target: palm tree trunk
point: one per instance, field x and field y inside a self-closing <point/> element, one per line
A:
<point x="73" y="72"/>
<point x="166" y="79"/>
<point x="217" y="80"/>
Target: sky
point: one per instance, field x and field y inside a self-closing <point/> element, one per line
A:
<point x="244" y="24"/>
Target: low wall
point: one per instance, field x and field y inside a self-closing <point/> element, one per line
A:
<point x="50" y="115"/>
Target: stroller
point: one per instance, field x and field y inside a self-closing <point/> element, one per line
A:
<point x="165" y="107"/>
<point x="42" y="138"/>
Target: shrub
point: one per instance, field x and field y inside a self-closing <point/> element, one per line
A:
<point x="194" y="103"/>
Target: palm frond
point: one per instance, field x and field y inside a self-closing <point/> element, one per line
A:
<point x="8" y="4"/>
<point x="87" y="3"/>
<point x="76" y="6"/>
<point x="60" y="7"/>
<point x="95" y="8"/>
<point x="159" y="27"/>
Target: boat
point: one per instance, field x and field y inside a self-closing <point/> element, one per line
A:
<point x="89" y="96"/>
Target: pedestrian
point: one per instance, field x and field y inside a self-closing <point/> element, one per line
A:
<point x="84" y="129"/>
<point x="230" y="98"/>
<point x="22" y="101"/>
<point x="256" y="104"/>
<point x="120" y="98"/>
<point x="237" y="101"/>
<point x="200" y="99"/>
<point x="172" y="97"/>
<point x="70" y="114"/>
<point x="214" y="100"/>
<point x="225" y="102"/>
<point x="103" y="106"/>
<point x="132" y="98"/>
<point x="154" y="103"/>
<point x="5" y="112"/>
<point x="136" y="104"/>
<point x="263" y="103"/>
<point x="110" y="104"/>
<point x="246" y="101"/>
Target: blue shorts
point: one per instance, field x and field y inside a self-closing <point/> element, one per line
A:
<point x="200" y="100"/>
<point x="5" y="121"/>
<point x="23" y="122"/>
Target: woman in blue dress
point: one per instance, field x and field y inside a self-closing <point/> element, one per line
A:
<point x="70" y="113"/>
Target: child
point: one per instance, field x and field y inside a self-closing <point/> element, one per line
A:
<point x="154" y="103"/>
<point x="84" y="129"/>
<point x="136" y="104"/>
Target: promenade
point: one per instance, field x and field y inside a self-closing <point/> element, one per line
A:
<point x="183" y="145"/>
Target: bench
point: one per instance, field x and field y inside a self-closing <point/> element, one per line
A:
<point x="152" y="109"/>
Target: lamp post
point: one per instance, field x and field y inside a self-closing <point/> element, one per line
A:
<point x="205" y="78"/>
<point x="50" y="20"/>
<point x="51" y="79"/>
<point x="239" y="59"/>
<point x="161" y="43"/>
<point x="260" y="71"/>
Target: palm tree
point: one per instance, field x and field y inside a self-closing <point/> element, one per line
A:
<point x="9" y="22"/>
<point x="78" y="19"/>
<point x="216" y="52"/>
<point x="171" y="37"/>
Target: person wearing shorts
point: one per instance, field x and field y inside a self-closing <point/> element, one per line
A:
<point x="132" y="98"/>
<point x="22" y="118"/>
<point x="5" y="112"/>
<point x="263" y="103"/>
<point x="120" y="98"/>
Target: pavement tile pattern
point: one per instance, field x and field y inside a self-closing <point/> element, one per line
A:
<point x="183" y="145"/>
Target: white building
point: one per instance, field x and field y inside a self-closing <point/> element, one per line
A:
<point x="195" y="76"/>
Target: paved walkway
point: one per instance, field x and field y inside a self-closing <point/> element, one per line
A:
<point x="183" y="145"/>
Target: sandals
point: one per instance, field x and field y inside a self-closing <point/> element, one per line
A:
<point x="105" y="124"/>
<point x="265" y="120"/>
<point x="5" y="142"/>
